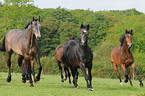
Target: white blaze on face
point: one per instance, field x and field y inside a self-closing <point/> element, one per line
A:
<point x="85" y="30"/>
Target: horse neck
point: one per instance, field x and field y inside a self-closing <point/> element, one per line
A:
<point x="125" y="47"/>
<point x="30" y="37"/>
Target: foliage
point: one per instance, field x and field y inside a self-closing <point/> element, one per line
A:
<point x="57" y="24"/>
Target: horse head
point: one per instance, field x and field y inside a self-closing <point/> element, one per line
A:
<point x="128" y="37"/>
<point x="84" y="34"/>
<point x="36" y="27"/>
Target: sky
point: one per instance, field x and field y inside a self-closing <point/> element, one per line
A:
<point x="94" y="5"/>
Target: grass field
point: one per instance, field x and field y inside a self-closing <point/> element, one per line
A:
<point x="50" y="85"/>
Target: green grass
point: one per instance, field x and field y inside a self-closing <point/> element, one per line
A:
<point x="50" y="85"/>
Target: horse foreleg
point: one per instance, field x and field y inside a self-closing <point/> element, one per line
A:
<point x="118" y="74"/>
<point x="28" y="68"/>
<point x="129" y="76"/>
<point x="82" y="66"/>
<point x="9" y="65"/>
<point x="90" y="76"/>
<point x="20" y="59"/>
<point x="39" y="67"/>
<point x="125" y="72"/>
<point x="137" y="73"/>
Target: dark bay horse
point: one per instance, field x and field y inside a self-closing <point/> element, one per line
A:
<point x="122" y="56"/>
<point x="77" y="54"/>
<point x="58" y="58"/>
<point x="24" y="65"/>
<point x="24" y="43"/>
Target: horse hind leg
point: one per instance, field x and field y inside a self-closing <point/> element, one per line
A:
<point x="118" y="74"/>
<point x="9" y="65"/>
<point x="20" y="59"/>
<point x="137" y="73"/>
<point x="60" y="68"/>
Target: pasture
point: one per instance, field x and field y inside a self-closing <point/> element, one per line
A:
<point x="50" y="85"/>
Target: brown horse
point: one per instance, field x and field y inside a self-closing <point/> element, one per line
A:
<point x="122" y="56"/>
<point x="32" y="67"/>
<point x="58" y="58"/>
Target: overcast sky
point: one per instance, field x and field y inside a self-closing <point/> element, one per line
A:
<point x="95" y="5"/>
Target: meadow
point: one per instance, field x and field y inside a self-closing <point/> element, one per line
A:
<point x="50" y="85"/>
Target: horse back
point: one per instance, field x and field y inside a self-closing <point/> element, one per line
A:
<point x="70" y="53"/>
<point x="14" y="40"/>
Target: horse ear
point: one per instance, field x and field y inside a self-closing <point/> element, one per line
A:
<point x="131" y="32"/>
<point x="88" y="27"/>
<point x="33" y="19"/>
<point x="82" y="26"/>
<point x="39" y="18"/>
<point x="126" y="31"/>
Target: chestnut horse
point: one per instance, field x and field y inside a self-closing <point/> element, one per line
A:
<point x="122" y="56"/>
<point x="58" y="58"/>
<point x="77" y="54"/>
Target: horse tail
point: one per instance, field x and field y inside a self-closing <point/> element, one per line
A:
<point x="3" y="46"/>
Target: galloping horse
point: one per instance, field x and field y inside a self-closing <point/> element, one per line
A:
<point x="77" y="54"/>
<point x="23" y="43"/>
<point x="58" y="58"/>
<point x="122" y="56"/>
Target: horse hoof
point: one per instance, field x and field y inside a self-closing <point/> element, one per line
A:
<point x="35" y="81"/>
<point x="77" y="87"/>
<point x="121" y="83"/>
<point x="9" y="79"/>
<point x="27" y="81"/>
<point x="62" y="80"/>
<point x="37" y="78"/>
<point x="73" y="85"/>
<point x="125" y="81"/>
<point x="90" y="89"/>
<point x="141" y="85"/>
<point x="69" y="82"/>
<point x="24" y="80"/>
<point x="31" y="85"/>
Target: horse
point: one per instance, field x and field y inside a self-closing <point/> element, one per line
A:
<point x="32" y="67"/>
<point x="25" y="44"/>
<point x="58" y="58"/>
<point x="77" y="54"/>
<point x="122" y="56"/>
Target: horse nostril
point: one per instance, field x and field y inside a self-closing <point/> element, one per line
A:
<point x="38" y="38"/>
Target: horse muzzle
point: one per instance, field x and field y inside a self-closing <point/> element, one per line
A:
<point x="38" y="38"/>
<point x="129" y="45"/>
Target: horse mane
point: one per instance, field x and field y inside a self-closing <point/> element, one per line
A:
<point x="29" y="23"/>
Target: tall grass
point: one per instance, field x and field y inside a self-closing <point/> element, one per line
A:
<point x="50" y="85"/>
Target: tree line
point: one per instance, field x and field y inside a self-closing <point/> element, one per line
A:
<point x="57" y="24"/>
